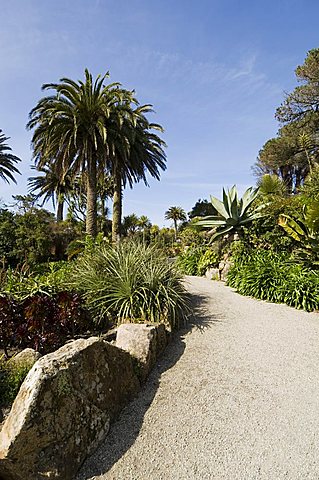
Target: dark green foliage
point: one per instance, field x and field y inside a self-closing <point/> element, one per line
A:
<point x="275" y="277"/>
<point x="33" y="236"/>
<point x="202" y="208"/>
<point x="130" y="281"/>
<point x="8" y="237"/>
<point x="10" y="323"/>
<point x="265" y="233"/>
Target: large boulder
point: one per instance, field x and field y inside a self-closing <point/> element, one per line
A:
<point x="63" y="410"/>
<point x="144" y="342"/>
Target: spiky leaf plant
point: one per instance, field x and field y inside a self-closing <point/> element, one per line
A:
<point x="233" y="212"/>
<point x="131" y="281"/>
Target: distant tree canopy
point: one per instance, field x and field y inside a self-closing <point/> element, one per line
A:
<point x="31" y="235"/>
<point x="293" y="154"/>
<point x="202" y="208"/>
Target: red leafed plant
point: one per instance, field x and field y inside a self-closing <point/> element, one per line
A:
<point x="41" y="321"/>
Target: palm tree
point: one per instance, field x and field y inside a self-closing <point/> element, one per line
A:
<point x="137" y="150"/>
<point x="7" y="160"/>
<point x="177" y="214"/>
<point x="70" y="130"/>
<point x="52" y="187"/>
<point x="130" y="224"/>
<point x="271" y="184"/>
<point x="144" y="224"/>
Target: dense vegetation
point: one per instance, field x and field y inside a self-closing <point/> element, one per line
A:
<point x="57" y="282"/>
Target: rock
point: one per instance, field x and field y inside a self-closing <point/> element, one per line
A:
<point x="224" y="267"/>
<point x="144" y="342"/>
<point x="63" y="410"/>
<point x="212" y="274"/>
<point x="26" y="357"/>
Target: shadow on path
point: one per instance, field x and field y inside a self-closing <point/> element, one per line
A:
<point x="125" y="430"/>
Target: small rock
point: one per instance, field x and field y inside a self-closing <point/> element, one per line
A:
<point x="26" y="357"/>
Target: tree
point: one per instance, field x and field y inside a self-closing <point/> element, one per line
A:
<point x="144" y="224"/>
<point x="7" y="160"/>
<point x="233" y="213"/>
<point x="51" y="186"/>
<point x="177" y="214"/>
<point x="130" y="224"/>
<point x="295" y="151"/>
<point x="302" y="105"/>
<point x="88" y="127"/>
<point x="202" y="208"/>
<point x="137" y="150"/>
<point x="271" y="184"/>
<point x="70" y="131"/>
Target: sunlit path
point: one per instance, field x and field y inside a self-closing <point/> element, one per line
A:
<point x="237" y="398"/>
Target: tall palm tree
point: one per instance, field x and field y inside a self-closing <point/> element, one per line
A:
<point x="70" y="129"/>
<point x="51" y="186"/>
<point x="136" y="151"/>
<point x="177" y="214"/>
<point x="7" y="160"/>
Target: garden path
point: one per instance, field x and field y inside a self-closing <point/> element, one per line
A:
<point x="236" y="397"/>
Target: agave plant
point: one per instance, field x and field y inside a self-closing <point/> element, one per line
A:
<point x="233" y="213"/>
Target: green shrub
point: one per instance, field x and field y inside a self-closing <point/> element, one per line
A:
<point x="275" y="277"/>
<point x="130" y="281"/>
<point x="209" y="259"/>
<point x="188" y="260"/>
<point x="48" y="279"/>
<point x="11" y="378"/>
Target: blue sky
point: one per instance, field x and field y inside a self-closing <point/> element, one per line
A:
<point x="215" y="72"/>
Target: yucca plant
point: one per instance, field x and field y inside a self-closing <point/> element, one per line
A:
<point x="130" y="281"/>
<point x="233" y="212"/>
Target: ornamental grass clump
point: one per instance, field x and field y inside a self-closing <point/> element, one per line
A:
<point x="130" y="281"/>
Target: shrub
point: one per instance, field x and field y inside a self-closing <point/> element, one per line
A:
<point x="48" y="279"/>
<point x="209" y="259"/>
<point x="40" y="321"/>
<point x="269" y="276"/>
<point x="130" y="281"/>
<point x="11" y="378"/>
<point x="188" y="261"/>
<point x="195" y="260"/>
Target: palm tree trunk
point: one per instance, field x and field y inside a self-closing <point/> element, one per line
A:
<point x="59" y="213"/>
<point x="117" y="208"/>
<point x="175" y="228"/>
<point x="91" y="210"/>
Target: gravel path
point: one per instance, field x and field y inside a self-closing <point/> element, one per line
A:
<point x="237" y="397"/>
